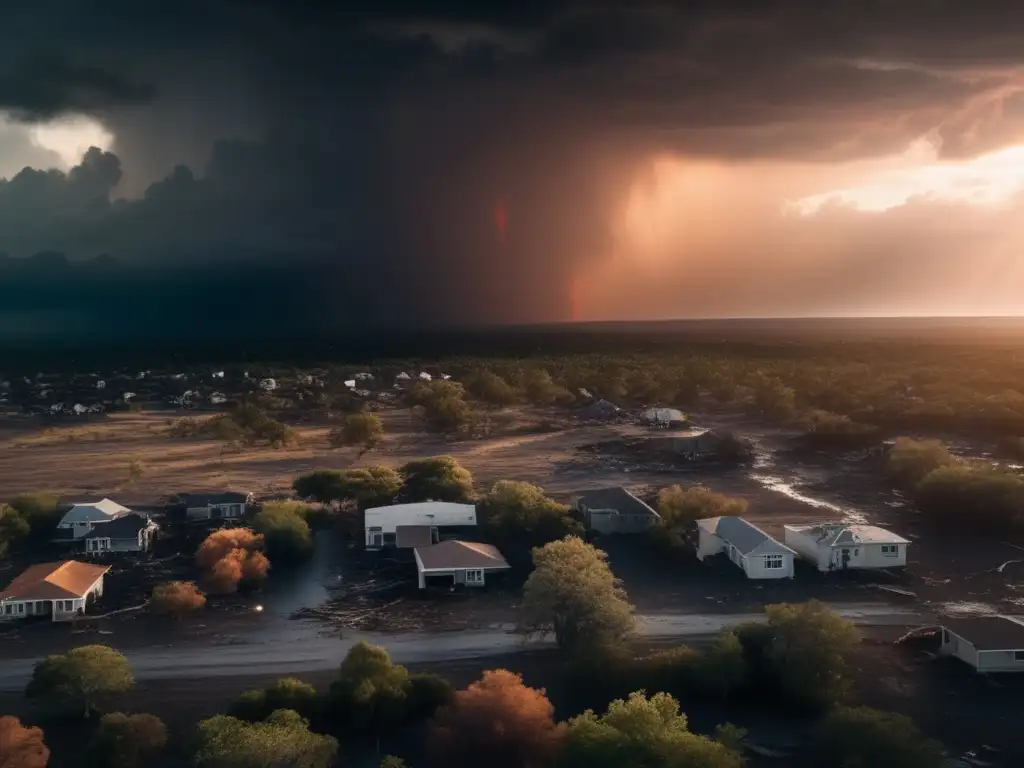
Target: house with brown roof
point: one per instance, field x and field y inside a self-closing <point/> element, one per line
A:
<point x="59" y="590"/>
<point x="463" y="562"/>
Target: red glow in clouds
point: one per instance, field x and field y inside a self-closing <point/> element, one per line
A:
<point x="500" y="218"/>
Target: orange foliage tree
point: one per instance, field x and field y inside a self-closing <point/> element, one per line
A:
<point x="501" y="718"/>
<point x="230" y="557"/>
<point x="21" y="746"/>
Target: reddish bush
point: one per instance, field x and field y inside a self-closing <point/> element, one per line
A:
<point x="176" y="598"/>
<point x="230" y="557"/>
<point x="20" y="746"/>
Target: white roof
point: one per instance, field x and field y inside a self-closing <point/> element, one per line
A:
<point x="105" y="509"/>
<point x="744" y="535"/>
<point x="839" y="534"/>
<point x="664" y="414"/>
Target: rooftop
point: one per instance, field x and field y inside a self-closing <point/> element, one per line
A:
<point x="840" y="533"/>
<point x="460" y="554"/>
<point x="412" y="536"/>
<point x="619" y="499"/>
<point x="203" y="499"/>
<point x="743" y="535"/>
<point x="125" y="527"/>
<point x="989" y="633"/>
<point x="54" y="581"/>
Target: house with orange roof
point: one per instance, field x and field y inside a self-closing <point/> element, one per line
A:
<point x="60" y="590"/>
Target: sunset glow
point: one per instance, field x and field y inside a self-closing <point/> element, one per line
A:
<point x="71" y="137"/>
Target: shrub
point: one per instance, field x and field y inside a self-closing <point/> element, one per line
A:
<point x="518" y="516"/>
<point x="440" y="478"/>
<point x="176" y="598"/>
<point x="20" y="745"/>
<point x="230" y="558"/>
<point x="363" y="429"/>
<point x="909" y="461"/>
<point x="286" y="693"/>
<point x="283" y="738"/>
<point x="286" y="534"/>
<point x="126" y="741"/>
<point x="863" y="736"/>
<point x="681" y="508"/>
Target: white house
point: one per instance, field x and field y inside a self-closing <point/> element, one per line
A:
<point x="382" y="523"/>
<point x="465" y="562"/>
<point x="747" y="546"/>
<point x="615" y="510"/>
<point x="58" y="590"/>
<point x="987" y="643"/>
<point x="129" y="533"/>
<point x="222" y="505"/>
<point x="81" y="518"/>
<point x="837" y="546"/>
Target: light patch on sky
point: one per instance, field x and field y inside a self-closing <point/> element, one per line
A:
<point x="71" y="137"/>
<point x="987" y="180"/>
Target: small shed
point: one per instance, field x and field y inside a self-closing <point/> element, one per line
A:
<point x="759" y="555"/>
<point x="466" y="562"/>
<point x="615" y="510"/>
<point x="987" y="643"/>
<point x="838" y="546"/>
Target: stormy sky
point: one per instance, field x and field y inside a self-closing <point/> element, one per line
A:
<point x="314" y="164"/>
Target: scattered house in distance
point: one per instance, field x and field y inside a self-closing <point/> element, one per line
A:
<point x="615" y="510"/>
<point x="133" y="532"/>
<point x="382" y="523"/>
<point x="837" y="546"/>
<point x="601" y="410"/>
<point x="82" y="516"/>
<point x="987" y="643"/>
<point x="222" y="505"/>
<point x="58" y="590"/>
<point x="665" y="418"/>
<point x="759" y="555"/>
<point x="465" y="562"/>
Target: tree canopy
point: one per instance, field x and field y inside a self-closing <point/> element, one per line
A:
<point x="574" y="594"/>
<point x="500" y="718"/>
<point x="642" y="732"/>
<point x="176" y="598"/>
<point x="126" y="741"/>
<point x="363" y="429"/>
<point x="21" y="746"/>
<point x="518" y="516"/>
<point x="862" y="736"/>
<point x="681" y="507"/>
<point x="283" y="739"/>
<point x="285" y="693"/>
<point x="440" y="478"/>
<point x="287" y="536"/>
<point x="231" y="557"/>
<point x="79" y="678"/>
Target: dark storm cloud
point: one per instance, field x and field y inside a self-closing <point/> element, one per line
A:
<point x="376" y="137"/>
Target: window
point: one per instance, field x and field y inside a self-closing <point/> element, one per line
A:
<point x="1018" y="655"/>
<point x="774" y="562"/>
<point x="8" y="610"/>
<point x="21" y="608"/>
<point x="945" y="635"/>
<point x="475" y="576"/>
<point x="890" y="550"/>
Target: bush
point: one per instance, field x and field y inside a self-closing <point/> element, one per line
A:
<point x="41" y="512"/>
<point x="363" y="429"/>
<point x="323" y="485"/>
<point x="909" y="461"/>
<point x="126" y="741"/>
<point x="283" y="738"/>
<point x="14" y="529"/>
<point x="824" y="430"/>
<point x="681" y="508"/>
<point x="20" y="745"/>
<point x="286" y="534"/>
<point x="863" y="736"/>
<point x="977" y="495"/>
<point x="230" y="558"/>
<point x="518" y="516"/>
<point x="286" y="693"/>
<point x="427" y="694"/>
<point x="176" y="598"/>
<point x="490" y="388"/>
<point x="443" y="404"/>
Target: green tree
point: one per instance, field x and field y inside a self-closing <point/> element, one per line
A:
<point x="323" y="485"/>
<point x="541" y="389"/>
<point x="371" y="693"/>
<point x="14" y="529"/>
<point x="574" y="594"/>
<point x="499" y="717"/>
<point x="42" y="513"/>
<point x="286" y="534"/>
<point x="364" y="429"/>
<point x="427" y="694"/>
<point x="518" y="516"/>
<point x="722" y="668"/>
<point x="80" y="678"/>
<point x="490" y="388"/>
<point x="682" y="507"/>
<point x="286" y="693"/>
<point x="642" y="732"/>
<point x="126" y="741"/>
<point x="370" y="486"/>
<point x="443" y="405"/>
<point x="390" y="761"/>
<point x="440" y="478"/>
<point x="850" y="738"/>
<point x="801" y="652"/>
<point x="283" y="739"/>
<point x="910" y="461"/>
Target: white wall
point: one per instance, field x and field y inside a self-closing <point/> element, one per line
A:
<point x="708" y="544"/>
<point x="439" y="513"/>
<point x="953" y="645"/>
<point x="807" y="547"/>
<point x="999" y="661"/>
<point x="861" y="555"/>
<point x="753" y="565"/>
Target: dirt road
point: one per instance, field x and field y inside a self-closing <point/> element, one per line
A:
<point x="302" y="647"/>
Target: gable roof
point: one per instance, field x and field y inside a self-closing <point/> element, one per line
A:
<point x="124" y="527"/>
<point x="54" y="581"/>
<point x="214" y="497"/>
<point x="619" y="499"/>
<point x="460" y="554"/>
<point x="105" y="509"/>
<point x="989" y="633"/>
<point x="839" y="534"/>
<point x="744" y="535"/>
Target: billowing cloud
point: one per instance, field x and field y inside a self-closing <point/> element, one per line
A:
<point x="373" y="139"/>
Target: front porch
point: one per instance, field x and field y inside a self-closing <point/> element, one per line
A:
<point x="57" y="610"/>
